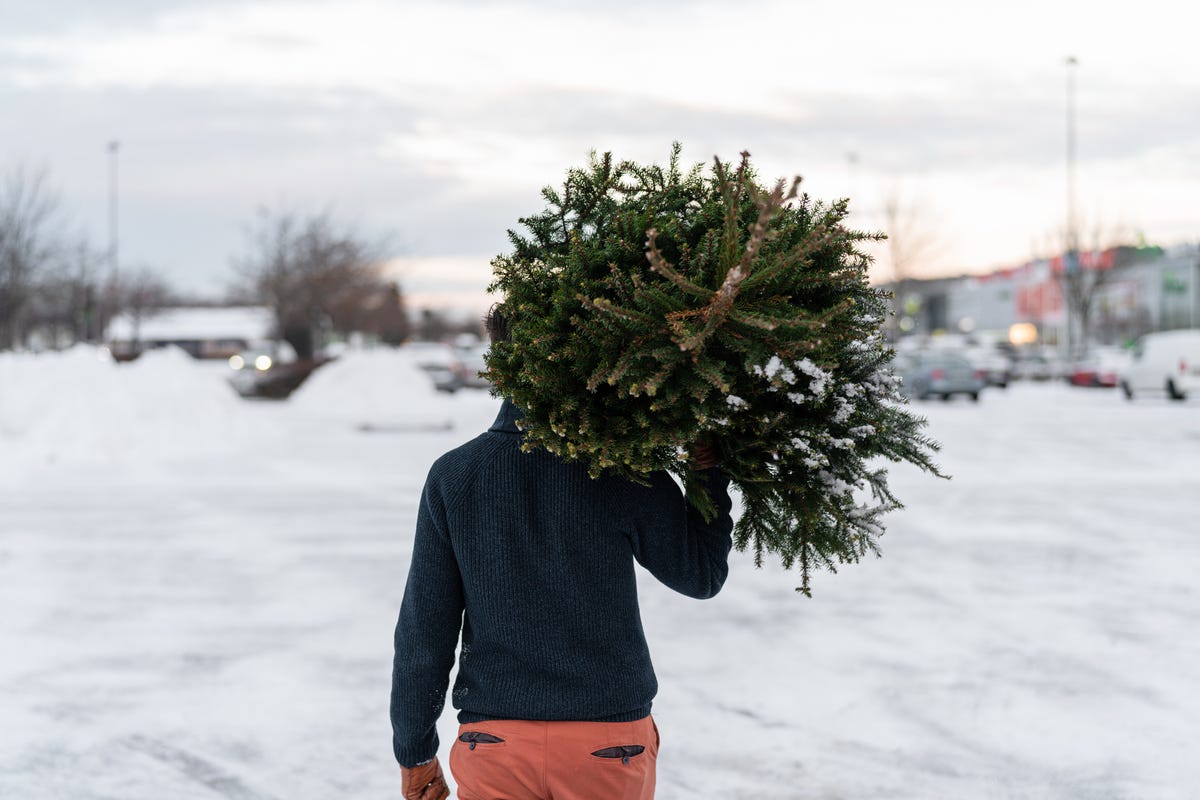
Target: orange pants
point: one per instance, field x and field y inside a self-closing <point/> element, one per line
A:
<point x="529" y="760"/>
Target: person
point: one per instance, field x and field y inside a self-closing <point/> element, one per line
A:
<point x="534" y="561"/>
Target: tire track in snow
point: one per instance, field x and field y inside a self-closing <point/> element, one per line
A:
<point x="198" y="769"/>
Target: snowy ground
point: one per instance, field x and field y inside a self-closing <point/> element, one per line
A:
<point x="198" y="596"/>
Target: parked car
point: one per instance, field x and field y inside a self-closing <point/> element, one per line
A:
<point x="1038" y="367"/>
<point x="995" y="364"/>
<point x="1102" y="368"/>
<point x="261" y="356"/>
<point x="1165" y="362"/>
<point x="470" y="364"/>
<point x="270" y="370"/>
<point x="257" y="364"/>
<point x="938" y="374"/>
<point x="440" y="363"/>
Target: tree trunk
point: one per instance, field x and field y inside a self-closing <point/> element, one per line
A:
<point x="300" y="337"/>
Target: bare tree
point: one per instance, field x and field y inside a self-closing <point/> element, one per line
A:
<point x="28" y="245"/>
<point x="67" y="305"/>
<point x="1084" y="276"/>
<point x="433" y="326"/>
<point x="911" y="241"/>
<point x="379" y="311"/>
<point x="309" y="271"/>
<point x="141" y="294"/>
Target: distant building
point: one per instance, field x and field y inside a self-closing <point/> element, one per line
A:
<point x="202" y="332"/>
<point x="1149" y="290"/>
<point x="1161" y="294"/>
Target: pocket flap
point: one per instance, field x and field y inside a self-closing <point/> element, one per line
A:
<point x="623" y="752"/>
<point x="472" y="737"/>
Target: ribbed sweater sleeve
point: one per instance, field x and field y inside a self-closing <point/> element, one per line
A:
<point x="671" y="539"/>
<point x="426" y="633"/>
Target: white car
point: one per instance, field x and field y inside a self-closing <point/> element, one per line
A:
<point x="439" y="361"/>
<point x="471" y="363"/>
<point x="996" y="366"/>
<point x="1038" y="367"/>
<point x="1165" y="362"/>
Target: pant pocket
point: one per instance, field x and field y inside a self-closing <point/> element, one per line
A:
<point x="473" y="738"/>
<point x="624" y="752"/>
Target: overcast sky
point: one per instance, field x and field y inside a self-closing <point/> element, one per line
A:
<point x="439" y="122"/>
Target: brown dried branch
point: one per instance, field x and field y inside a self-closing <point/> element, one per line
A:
<point x="722" y="301"/>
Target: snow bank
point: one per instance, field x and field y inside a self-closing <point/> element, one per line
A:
<point x="373" y="390"/>
<point x="80" y="406"/>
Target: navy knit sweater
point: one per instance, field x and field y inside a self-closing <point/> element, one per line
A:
<point x="534" y="560"/>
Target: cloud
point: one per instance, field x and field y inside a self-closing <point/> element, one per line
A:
<point x="504" y="139"/>
<point x="442" y="121"/>
<point x="554" y="80"/>
<point x="23" y="17"/>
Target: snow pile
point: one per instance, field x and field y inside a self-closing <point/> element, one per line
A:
<point x="373" y="390"/>
<point x="79" y="406"/>
<point x="34" y="388"/>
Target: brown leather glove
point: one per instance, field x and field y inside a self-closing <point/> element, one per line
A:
<point x="425" y="782"/>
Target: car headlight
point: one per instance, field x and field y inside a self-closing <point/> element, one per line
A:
<point x="262" y="363"/>
<point x="237" y="362"/>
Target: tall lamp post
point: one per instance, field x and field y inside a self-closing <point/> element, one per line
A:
<point x="114" y="149"/>
<point x="114" y="264"/>
<point x="1071" y="257"/>
<point x="1072" y="241"/>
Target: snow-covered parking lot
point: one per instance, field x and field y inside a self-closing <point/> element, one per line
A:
<point x="198" y="597"/>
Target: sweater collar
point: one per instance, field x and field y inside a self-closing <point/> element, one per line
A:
<point x="506" y="420"/>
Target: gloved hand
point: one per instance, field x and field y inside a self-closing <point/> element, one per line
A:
<point x="425" y="782"/>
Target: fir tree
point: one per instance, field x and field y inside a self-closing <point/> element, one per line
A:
<point x="650" y="309"/>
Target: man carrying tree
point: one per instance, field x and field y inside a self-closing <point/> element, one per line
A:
<point x="534" y="561"/>
<point x="650" y="309"/>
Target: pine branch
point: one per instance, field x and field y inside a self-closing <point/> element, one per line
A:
<point x="722" y="302"/>
<point x="660" y="265"/>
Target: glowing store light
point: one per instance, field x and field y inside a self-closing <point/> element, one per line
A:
<point x="1023" y="333"/>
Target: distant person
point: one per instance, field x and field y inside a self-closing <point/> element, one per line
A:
<point x="534" y="561"/>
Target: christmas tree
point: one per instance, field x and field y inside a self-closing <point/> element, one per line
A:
<point x="650" y="309"/>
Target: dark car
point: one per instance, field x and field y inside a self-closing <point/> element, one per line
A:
<point x="270" y="370"/>
<point x="938" y="374"/>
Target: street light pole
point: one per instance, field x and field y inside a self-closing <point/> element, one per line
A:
<point x="114" y="149"/>
<point x="1072" y="240"/>
<point x="1194" y="317"/>
<point x="110" y="301"/>
<point x="1071" y="257"/>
